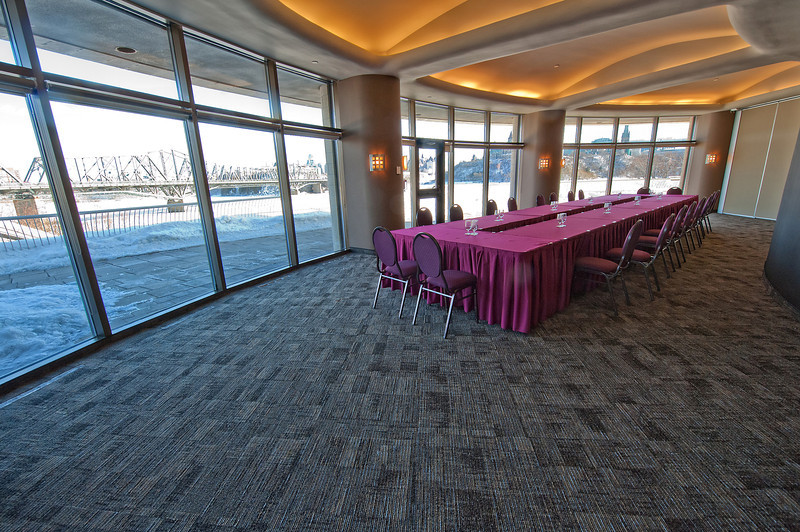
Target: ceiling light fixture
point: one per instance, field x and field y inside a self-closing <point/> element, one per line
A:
<point x="125" y="50"/>
<point x="556" y="66"/>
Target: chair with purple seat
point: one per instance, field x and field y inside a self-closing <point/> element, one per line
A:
<point x="674" y="191"/>
<point x="570" y="196"/>
<point x="682" y="230"/>
<point x="643" y="190"/>
<point x="581" y="195"/>
<point x="539" y="200"/>
<point x="389" y="267"/>
<point x="424" y="217"/>
<point x="658" y="244"/>
<point x="512" y="204"/>
<point x="593" y="267"/>
<point x="491" y="207"/>
<point x="435" y="279"/>
<point x="553" y="197"/>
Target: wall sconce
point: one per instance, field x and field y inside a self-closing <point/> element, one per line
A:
<point x="405" y="162"/>
<point x="563" y="162"/>
<point x="544" y="163"/>
<point x="711" y="158"/>
<point x="377" y="161"/>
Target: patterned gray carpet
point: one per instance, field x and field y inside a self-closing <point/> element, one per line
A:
<point x="295" y="406"/>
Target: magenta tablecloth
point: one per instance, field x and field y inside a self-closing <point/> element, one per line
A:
<point x="525" y="273"/>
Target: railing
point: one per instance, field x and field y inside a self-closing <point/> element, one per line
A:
<point x="26" y="232"/>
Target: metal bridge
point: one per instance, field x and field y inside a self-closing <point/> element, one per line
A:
<point x="167" y="172"/>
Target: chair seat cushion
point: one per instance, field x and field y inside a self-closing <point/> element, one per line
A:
<point x="651" y="240"/>
<point x="595" y="265"/>
<point x="456" y="280"/>
<point x="403" y="269"/>
<point x="615" y="254"/>
<point x="651" y="232"/>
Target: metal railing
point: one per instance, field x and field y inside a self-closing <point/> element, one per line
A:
<point x="26" y="232"/>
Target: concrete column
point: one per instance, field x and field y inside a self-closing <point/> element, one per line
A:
<point x="713" y="134"/>
<point x="369" y="110"/>
<point x="543" y="135"/>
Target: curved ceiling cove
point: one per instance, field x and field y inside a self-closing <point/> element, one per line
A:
<point x="527" y="55"/>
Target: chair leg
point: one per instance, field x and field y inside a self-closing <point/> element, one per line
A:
<point x="475" y="304"/>
<point x="680" y="245"/>
<point x="670" y="249"/>
<point x="377" y="291"/>
<point x="655" y="276"/>
<point x="449" y="312"/>
<point x="625" y="289"/>
<point x="664" y="259"/>
<point x="647" y="279"/>
<point x="403" y="299"/>
<point x="416" y="308"/>
<point x="611" y="294"/>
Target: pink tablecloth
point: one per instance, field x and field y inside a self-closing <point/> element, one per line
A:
<point x="525" y="273"/>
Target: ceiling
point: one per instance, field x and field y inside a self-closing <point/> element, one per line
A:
<point x="586" y="56"/>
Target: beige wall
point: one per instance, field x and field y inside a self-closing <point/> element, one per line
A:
<point x="713" y="135"/>
<point x="369" y="113"/>
<point x="543" y="135"/>
<point x="761" y="158"/>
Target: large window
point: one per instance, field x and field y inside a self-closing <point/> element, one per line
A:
<point x="93" y="42"/>
<point x="625" y="154"/>
<point x="432" y="121"/>
<point x="468" y="181"/>
<point x="41" y="305"/>
<point x="172" y="206"/>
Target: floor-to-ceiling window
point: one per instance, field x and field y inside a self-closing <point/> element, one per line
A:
<point x="481" y="154"/>
<point x="170" y="164"/>
<point x="624" y="155"/>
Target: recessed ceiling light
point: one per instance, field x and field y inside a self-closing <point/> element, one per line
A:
<point x="125" y="50"/>
<point x="314" y="62"/>
<point x="715" y="79"/>
<point x="556" y="66"/>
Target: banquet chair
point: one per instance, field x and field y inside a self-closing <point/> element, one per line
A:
<point x="581" y="195"/>
<point x="674" y="191"/>
<point x="424" y="217"/>
<point x="643" y="190"/>
<point x="593" y="267"/>
<point x="655" y="245"/>
<point x="711" y="206"/>
<point x="491" y="207"/>
<point x="680" y="235"/>
<point x="512" y="204"/>
<point x="435" y="279"/>
<point x="570" y="196"/>
<point x="389" y="267"/>
<point x="553" y="197"/>
<point x="456" y="212"/>
<point x="672" y="240"/>
<point x="539" y="200"/>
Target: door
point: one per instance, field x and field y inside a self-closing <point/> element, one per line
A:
<point x="430" y="189"/>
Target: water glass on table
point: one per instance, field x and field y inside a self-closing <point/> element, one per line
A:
<point x="553" y="205"/>
<point x="607" y="206"/>
<point x="562" y="219"/>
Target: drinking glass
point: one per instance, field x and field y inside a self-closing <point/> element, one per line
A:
<point x="562" y="219"/>
<point x="553" y="205"/>
<point x="607" y="205"/>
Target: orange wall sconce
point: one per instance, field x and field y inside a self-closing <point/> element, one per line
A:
<point x="405" y="162"/>
<point x="544" y="163"/>
<point x="377" y="162"/>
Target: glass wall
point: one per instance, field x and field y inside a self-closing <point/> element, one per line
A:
<point x="311" y="179"/>
<point x="622" y="155"/>
<point x="567" y="170"/>
<point x="432" y="121"/>
<point x="468" y="181"/>
<point x="42" y="309"/>
<point x="172" y="207"/>
<point x="145" y="237"/>
<point x="502" y="170"/>
<point x="470" y="125"/>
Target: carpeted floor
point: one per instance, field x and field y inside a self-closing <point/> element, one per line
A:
<point x="295" y="406"/>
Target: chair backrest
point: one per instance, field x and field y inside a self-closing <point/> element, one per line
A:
<point x="570" y="196"/>
<point x="385" y="247"/>
<point x="675" y="191"/>
<point x="428" y="255"/>
<point x="553" y="197"/>
<point x="630" y="244"/>
<point x="539" y="200"/>
<point x="512" y="204"/>
<point x="581" y="195"/>
<point x="643" y="190"/>
<point x="491" y="207"/>
<point x="677" y="223"/>
<point x="687" y="219"/>
<point x="424" y="217"/>
<point x="666" y="227"/>
<point x="456" y="212"/>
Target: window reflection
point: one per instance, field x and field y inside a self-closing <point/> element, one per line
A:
<point x="631" y="166"/>
<point x="593" y="167"/>
<point x="136" y="197"/>
<point x="222" y="78"/>
<point x="304" y="99"/>
<point x="502" y="169"/>
<point x="94" y="42"/>
<point x="668" y="167"/>
<point x="42" y="309"/>
<point x="468" y="181"/>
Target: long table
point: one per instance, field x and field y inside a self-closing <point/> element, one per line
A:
<point x="525" y="268"/>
